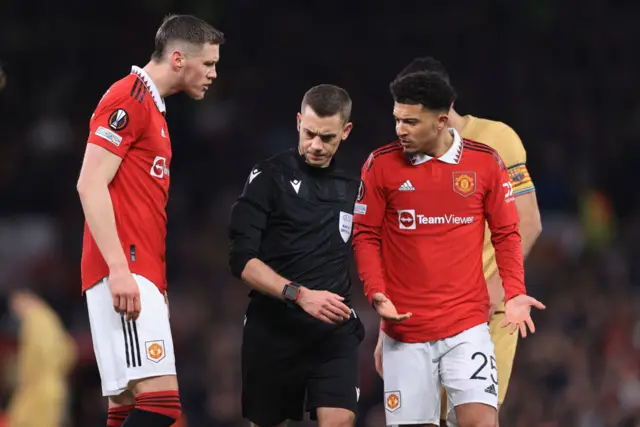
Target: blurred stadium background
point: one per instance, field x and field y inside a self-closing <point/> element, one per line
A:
<point x="561" y="73"/>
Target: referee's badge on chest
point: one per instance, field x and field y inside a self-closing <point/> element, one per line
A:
<point x="345" y="225"/>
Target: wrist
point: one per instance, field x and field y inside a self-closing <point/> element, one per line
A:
<point x="118" y="267"/>
<point x="372" y="294"/>
<point x="291" y="292"/>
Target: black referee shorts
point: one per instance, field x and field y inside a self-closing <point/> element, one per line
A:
<point x="292" y="362"/>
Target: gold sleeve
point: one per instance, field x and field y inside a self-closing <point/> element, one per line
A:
<point x="510" y="147"/>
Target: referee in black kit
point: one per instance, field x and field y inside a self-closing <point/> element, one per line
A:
<point x="291" y="242"/>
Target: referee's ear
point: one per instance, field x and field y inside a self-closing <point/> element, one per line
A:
<point x="347" y="130"/>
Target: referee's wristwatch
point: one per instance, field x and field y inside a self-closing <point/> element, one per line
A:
<point x="291" y="292"/>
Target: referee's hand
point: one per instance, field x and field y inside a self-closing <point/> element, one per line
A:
<point x="324" y="305"/>
<point x="125" y="293"/>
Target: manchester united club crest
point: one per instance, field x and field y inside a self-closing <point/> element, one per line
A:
<point x="392" y="400"/>
<point x="155" y="350"/>
<point x="464" y="183"/>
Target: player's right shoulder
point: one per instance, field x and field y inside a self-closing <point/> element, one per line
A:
<point x="382" y="155"/>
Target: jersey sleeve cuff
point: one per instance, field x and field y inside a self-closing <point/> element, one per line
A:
<point x="510" y="295"/>
<point x="104" y="143"/>
<point x="238" y="262"/>
<point x="374" y="291"/>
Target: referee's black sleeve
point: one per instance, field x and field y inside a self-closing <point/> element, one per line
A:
<point x="249" y="216"/>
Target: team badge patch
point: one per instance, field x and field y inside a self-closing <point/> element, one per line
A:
<point x="155" y="350"/>
<point x="345" y="225"/>
<point x="392" y="400"/>
<point x="464" y="183"/>
<point x="119" y="119"/>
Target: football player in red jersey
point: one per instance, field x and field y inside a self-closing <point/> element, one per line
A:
<point x="123" y="187"/>
<point x="423" y="203"/>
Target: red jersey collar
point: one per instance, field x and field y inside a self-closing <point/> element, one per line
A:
<point x="452" y="156"/>
<point x="151" y="87"/>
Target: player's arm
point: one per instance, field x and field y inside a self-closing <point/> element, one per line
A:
<point x="530" y="226"/>
<point x="98" y="169"/>
<point x="367" y="232"/>
<point x="249" y="217"/>
<point x="515" y="158"/>
<point x="502" y="217"/>
<point x="115" y="126"/>
<point x="369" y="212"/>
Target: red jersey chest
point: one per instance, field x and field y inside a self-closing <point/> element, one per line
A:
<point x="152" y="151"/>
<point x="435" y="195"/>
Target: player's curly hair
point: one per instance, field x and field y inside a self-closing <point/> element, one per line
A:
<point x="429" y="89"/>
<point x="327" y="100"/>
<point x="425" y="63"/>
<point x="186" y="28"/>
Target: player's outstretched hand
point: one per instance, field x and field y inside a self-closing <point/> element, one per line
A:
<point x="518" y="314"/>
<point x="125" y="293"/>
<point x="386" y="309"/>
<point x="324" y="305"/>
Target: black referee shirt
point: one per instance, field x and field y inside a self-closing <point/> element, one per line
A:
<point x="297" y="219"/>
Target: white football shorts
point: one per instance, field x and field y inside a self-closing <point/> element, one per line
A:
<point x="464" y="364"/>
<point x="130" y="350"/>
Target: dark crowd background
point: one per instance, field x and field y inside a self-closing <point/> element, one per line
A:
<point x="562" y="73"/>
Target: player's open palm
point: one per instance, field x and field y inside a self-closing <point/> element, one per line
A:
<point x="324" y="305"/>
<point x="125" y="293"/>
<point x="518" y="314"/>
<point x="386" y="309"/>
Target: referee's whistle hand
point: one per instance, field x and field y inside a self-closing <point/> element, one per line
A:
<point x="386" y="309"/>
<point x="324" y="305"/>
<point x="125" y="293"/>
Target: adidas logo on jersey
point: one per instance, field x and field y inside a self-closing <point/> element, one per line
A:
<point x="407" y="186"/>
<point x="491" y="390"/>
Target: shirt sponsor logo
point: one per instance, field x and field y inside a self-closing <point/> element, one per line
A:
<point x="508" y="195"/>
<point x="408" y="220"/>
<point x="109" y="135"/>
<point x="360" y="209"/>
<point x="159" y="168"/>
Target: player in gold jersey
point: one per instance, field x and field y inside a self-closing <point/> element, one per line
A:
<point x="507" y="143"/>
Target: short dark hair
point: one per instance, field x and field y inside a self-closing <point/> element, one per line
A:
<point x="430" y="90"/>
<point x="425" y="63"/>
<point x="186" y="28"/>
<point x="328" y="100"/>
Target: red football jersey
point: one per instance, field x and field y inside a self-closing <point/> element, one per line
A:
<point x="419" y="228"/>
<point x="129" y="122"/>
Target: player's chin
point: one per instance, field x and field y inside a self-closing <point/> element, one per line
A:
<point x="197" y="93"/>
<point x="409" y="150"/>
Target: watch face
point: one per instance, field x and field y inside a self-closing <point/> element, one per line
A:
<point x="290" y="292"/>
